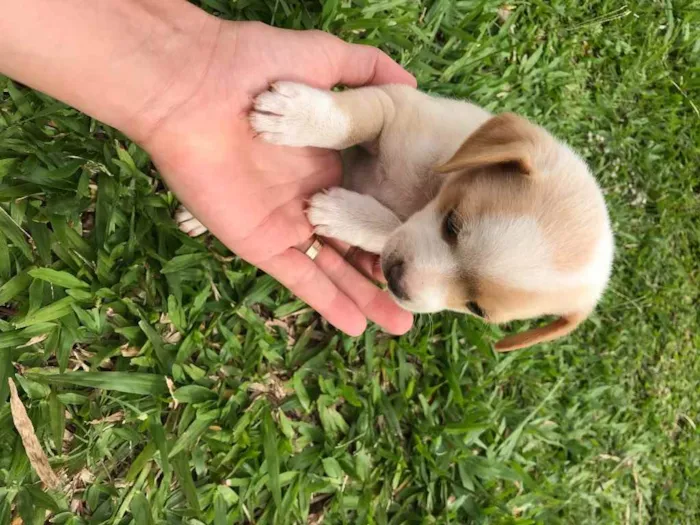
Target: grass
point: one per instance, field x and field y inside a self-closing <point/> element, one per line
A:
<point x="270" y="416"/>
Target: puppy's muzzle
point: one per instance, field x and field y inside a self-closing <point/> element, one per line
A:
<point x="394" y="271"/>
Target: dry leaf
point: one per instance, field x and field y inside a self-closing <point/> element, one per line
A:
<point x="34" y="340"/>
<point x="77" y="506"/>
<point x="67" y="441"/>
<point x="223" y="258"/>
<point x="316" y="519"/>
<point x="172" y="336"/>
<point x="214" y="289"/>
<point x="171" y="388"/>
<point x="129" y="351"/>
<point x="78" y="483"/>
<point x="286" y="326"/>
<point x="273" y="388"/>
<point x="504" y="12"/>
<point x="78" y="359"/>
<point x="112" y="418"/>
<point x="36" y="455"/>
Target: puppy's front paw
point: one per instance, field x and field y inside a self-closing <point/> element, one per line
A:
<point x="351" y="217"/>
<point x="293" y="114"/>
<point x="188" y="223"/>
<point x="333" y="212"/>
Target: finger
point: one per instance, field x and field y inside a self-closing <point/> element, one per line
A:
<point x="367" y="263"/>
<point x="374" y="303"/>
<point x="285" y="226"/>
<point x="383" y="69"/>
<point x="377" y="272"/>
<point x="364" y="262"/>
<point x="361" y="65"/>
<point x="304" y="278"/>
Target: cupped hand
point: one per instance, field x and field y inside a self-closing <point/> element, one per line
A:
<point x="251" y="194"/>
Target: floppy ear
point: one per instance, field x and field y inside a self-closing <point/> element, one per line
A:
<point x="504" y="139"/>
<point x="559" y="328"/>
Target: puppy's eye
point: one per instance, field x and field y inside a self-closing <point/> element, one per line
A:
<point x="475" y="309"/>
<point x="451" y="226"/>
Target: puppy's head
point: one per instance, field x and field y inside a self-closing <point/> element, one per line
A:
<point x="519" y="229"/>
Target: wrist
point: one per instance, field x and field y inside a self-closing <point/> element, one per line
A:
<point x="126" y="63"/>
<point x="167" y="68"/>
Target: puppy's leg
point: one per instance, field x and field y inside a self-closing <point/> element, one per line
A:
<point x="294" y="114"/>
<point x="359" y="220"/>
<point x="187" y="223"/>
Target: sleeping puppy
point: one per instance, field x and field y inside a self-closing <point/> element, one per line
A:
<point x="486" y="215"/>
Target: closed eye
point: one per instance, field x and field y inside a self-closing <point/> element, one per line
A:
<point x="451" y="225"/>
<point x="475" y="309"/>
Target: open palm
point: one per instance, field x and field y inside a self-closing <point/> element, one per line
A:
<point x="250" y="194"/>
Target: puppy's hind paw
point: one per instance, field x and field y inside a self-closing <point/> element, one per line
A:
<point x="188" y="223"/>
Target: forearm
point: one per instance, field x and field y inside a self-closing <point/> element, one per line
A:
<point x="125" y="62"/>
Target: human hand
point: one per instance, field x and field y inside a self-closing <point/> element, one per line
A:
<point x="251" y="194"/>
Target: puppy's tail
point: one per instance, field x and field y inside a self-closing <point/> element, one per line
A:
<point x="554" y="330"/>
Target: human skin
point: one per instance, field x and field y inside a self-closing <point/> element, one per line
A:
<point x="181" y="83"/>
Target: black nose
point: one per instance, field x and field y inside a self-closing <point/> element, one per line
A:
<point x="393" y="271"/>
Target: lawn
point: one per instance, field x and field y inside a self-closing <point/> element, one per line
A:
<point x="168" y="382"/>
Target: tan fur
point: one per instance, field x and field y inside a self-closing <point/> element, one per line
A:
<point x="503" y="303"/>
<point x="560" y="203"/>
<point x="503" y="148"/>
<point x="505" y="139"/>
<point x="366" y="112"/>
<point x="559" y="328"/>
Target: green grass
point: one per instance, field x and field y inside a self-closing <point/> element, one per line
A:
<point x="278" y="418"/>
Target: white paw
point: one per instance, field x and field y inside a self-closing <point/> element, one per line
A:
<point x="187" y="223"/>
<point x="359" y="220"/>
<point x="292" y="114"/>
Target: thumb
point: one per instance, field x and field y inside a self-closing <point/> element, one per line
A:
<point x="361" y="65"/>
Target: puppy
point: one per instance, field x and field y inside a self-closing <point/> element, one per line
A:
<point x="481" y="214"/>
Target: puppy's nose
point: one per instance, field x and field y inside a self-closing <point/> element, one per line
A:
<point x="393" y="272"/>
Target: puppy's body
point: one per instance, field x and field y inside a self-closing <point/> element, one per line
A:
<point x="418" y="133"/>
<point x="473" y="213"/>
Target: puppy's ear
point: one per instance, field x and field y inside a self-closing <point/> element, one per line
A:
<point x="559" y="328"/>
<point x="506" y="139"/>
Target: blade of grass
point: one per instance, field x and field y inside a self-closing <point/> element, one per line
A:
<point x="127" y="382"/>
<point x="16" y="235"/>
<point x="269" y="431"/>
<point x="59" y="278"/>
